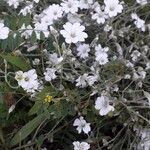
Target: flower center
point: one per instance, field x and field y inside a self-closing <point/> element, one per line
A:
<point x="82" y="125"/>
<point x="73" y="35"/>
<point x="100" y="15"/>
<point x="55" y="13"/>
<point x="26" y="79"/>
<point x="19" y="78"/>
<point x="112" y="8"/>
<point x="69" y="5"/>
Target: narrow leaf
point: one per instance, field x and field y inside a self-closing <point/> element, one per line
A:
<point x="16" y="60"/>
<point x="27" y="129"/>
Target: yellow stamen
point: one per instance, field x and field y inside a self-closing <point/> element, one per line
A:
<point x="48" y="98"/>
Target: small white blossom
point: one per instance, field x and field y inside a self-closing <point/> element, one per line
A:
<point x="140" y="24"/>
<point x="4" y="31"/>
<point x="83" y="50"/>
<point x="81" y="146"/>
<point x="41" y="27"/>
<point x="135" y="54"/>
<point x="70" y="6"/>
<point x="82" y="125"/>
<point x="99" y="16"/>
<point x="54" y="59"/>
<point x="28" y="80"/>
<point x="36" y="61"/>
<point x="147" y="65"/>
<point x="50" y="74"/>
<point x="102" y="104"/>
<point x="73" y="33"/>
<point x="53" y="12"/>
<point x="101" y="54"/>
<point x="113" y="7"/>
<point x="107" y="28"/>
<point x="81" y="81"/>
<point x="14" y="3"/>
<point x="92" y="79"/>
<point x="141" y="72"/>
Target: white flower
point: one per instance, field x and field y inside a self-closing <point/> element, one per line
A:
<point x="83" y="50"/>
<point x="4" y="31"/>
<point x="82" y="125"/>
<point x="73" y="33"/>
<point x="85" y="4"/>
<point x="41" y="27"/>
<point x="135" y="54"/>
<point x="92" y="79"/>
<point x="46" y="19"/>
<point x="147" y="65"/>
<point x="81" y="81"/>
<point x="14" y="3"/>
<point x="102" y="104"/>
<point x="53" y="12"/>
<point x="140" y="24"/>
<point x="50" y="74"/>
<point x="81" y="146"/>
<point x="102" y="58"/>
<point x="70" y="6"/>
<point x="99" y="16"/>
<point x="141" y="72"/>
<point x="142" y="2"/>
<point x="54" y="59"/>
<point x="28" y="80"/>
<point x="36" y="61"/>
<point x="101" y="54"/>
<point x="134" y="16"/>
<point x="112" y="7"/>
<point x="107" y="28"/>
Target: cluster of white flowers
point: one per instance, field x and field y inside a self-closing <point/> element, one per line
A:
<point x="79" y="56"/>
